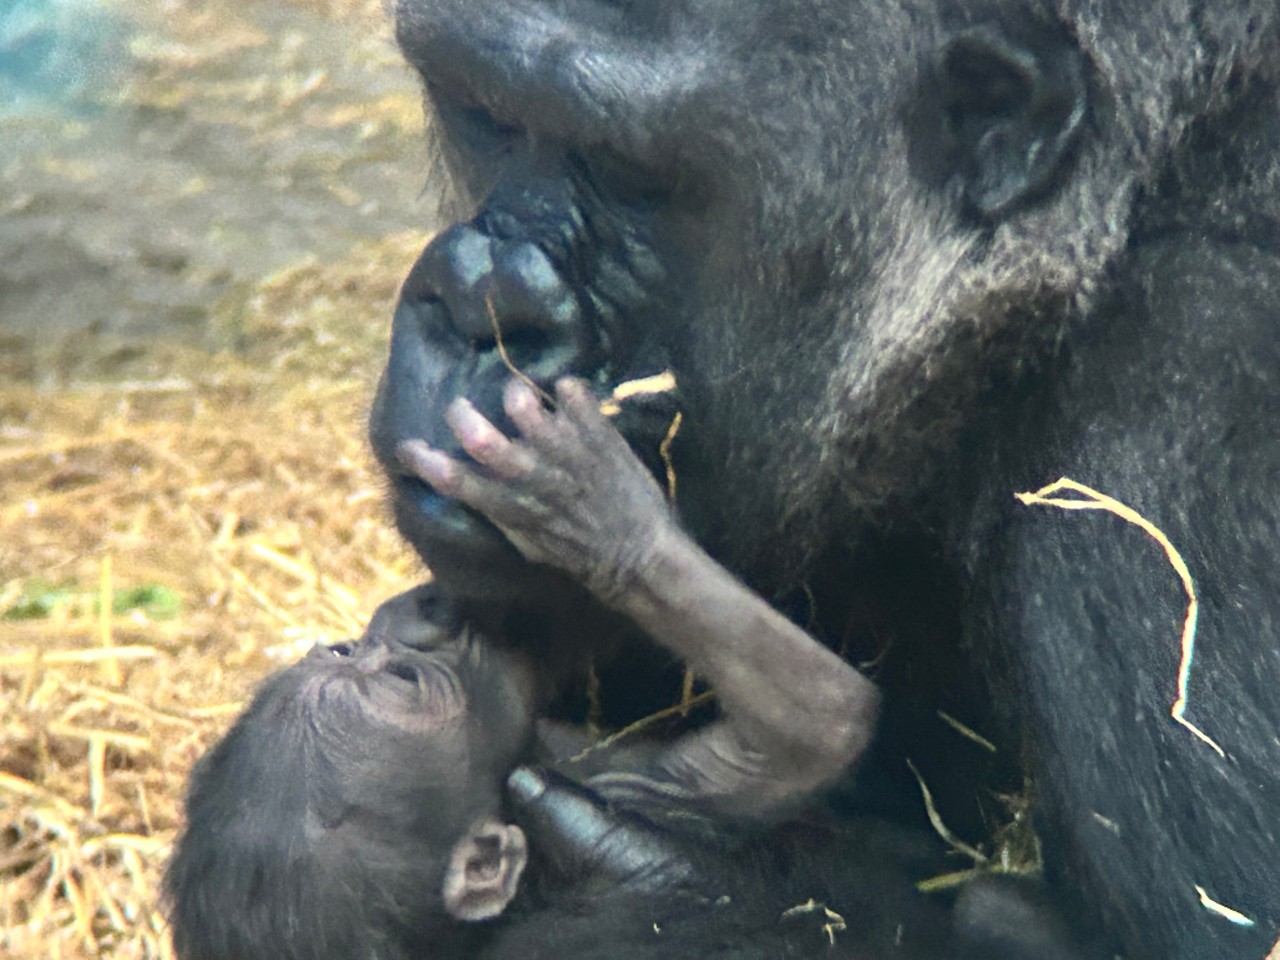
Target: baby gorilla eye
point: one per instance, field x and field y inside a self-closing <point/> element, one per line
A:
<point x="402" y="671"/>
<point x="343" y="649"/>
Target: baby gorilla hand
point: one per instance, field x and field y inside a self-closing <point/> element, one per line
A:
<point x="567" y="491"/>
<point x="579" y="839"/>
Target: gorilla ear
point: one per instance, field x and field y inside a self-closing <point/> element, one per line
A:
<point x="1013" y="107"/>
<point x="484" y="870"/>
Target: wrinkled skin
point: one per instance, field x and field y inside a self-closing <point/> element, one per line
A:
<point x="906" y="259"/>
<point x="543" y="491"/>
<point x="569" y="494"/>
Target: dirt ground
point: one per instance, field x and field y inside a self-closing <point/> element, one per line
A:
<point x="202" y="229"/>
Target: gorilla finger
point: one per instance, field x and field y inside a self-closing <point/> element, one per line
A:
<point x="433" y="467"/>
<point x="582" y="408"/>
<point x="575" y="398"/>
<point x="485" y="443"/>
<point x="454" y="479"/>
<point x="579" y="834"/>
<point x="508" y="508"/>
<point x="525" y="408"/>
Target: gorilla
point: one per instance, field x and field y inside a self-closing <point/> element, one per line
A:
<point x="906" y="259"/>
<point x="356" y="809"/>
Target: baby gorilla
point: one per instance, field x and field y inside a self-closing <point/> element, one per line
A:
<point x="354" y="809"/>
<point x="358" y="780"/>
<point x="357" y="808"/>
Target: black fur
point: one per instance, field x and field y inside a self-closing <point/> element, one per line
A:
<point x="906" y="260"/>
<point x="321" y="827"/>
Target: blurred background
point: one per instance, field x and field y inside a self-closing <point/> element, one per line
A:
<point x="206" y="207"/>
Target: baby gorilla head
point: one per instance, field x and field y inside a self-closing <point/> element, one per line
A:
<point x="353" y="809"/>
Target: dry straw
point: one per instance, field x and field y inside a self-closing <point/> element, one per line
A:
<point x="169" y="542"/>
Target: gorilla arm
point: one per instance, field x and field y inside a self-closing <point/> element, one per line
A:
<point x="570" y="494"/>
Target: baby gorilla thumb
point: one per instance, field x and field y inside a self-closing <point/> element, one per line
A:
<point x="578" y="838"/>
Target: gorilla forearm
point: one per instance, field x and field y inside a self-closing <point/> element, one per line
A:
<point x="796" y="715"/>
<point x="569" y="493"/>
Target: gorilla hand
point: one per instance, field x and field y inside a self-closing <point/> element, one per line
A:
<point x="567" y="492"/>
<point x="580" y="839"/>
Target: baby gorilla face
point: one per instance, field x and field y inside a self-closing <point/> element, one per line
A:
<point x="424" y="707"/>
<point x="358" y="795"/>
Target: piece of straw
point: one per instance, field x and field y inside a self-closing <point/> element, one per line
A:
<point x="1100" y="501"/>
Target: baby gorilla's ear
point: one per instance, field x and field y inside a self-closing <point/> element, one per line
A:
<point x="484" y="870"/>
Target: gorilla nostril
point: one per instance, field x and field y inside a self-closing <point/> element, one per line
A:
<point x="523" y="343"/>
<point x="458" y="269"/>
<point x="527" y="286"/>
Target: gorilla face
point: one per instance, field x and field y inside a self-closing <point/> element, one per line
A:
<point x="637" y="211"/>
<point x="344" y="805"/>
<point x="785" y="203"/>
<point x="859" y="233"/>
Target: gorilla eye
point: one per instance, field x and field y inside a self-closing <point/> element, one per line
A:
<point x="982" y="84"/>
<point x="475" y="129"/>
<point x="403" y="672"/>
<point x="344" y="649"/>
<point x="625" y="180"/>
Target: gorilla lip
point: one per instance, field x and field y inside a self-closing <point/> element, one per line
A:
<point x="429" y="692"/>
<point x="450" y="520"/>
<point x="456" y="520"/>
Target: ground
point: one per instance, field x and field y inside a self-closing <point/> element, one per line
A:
<point x="201" y="246"/>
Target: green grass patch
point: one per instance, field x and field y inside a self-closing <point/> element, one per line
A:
<point x="42" y="600"/>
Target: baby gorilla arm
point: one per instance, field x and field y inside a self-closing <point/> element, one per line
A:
<point x="570" y="494"/>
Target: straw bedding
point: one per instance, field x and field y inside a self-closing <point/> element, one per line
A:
<point x="231" y="515"/>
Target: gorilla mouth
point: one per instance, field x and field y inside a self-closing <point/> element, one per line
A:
<point x="478" y="306"/>
<point x="468" y="555"/>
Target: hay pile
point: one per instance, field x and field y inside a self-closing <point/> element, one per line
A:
<point x="162" y="546"/>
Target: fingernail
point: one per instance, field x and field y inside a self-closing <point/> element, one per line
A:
<point x="526" y="785"/>
<point x="428" y="464"/>
<point x="519" y="394"/>
<point x="466" y="419"/>
<point x="572" y="389"/>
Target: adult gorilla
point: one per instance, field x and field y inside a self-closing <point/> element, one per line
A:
<point x="907" y="258"/>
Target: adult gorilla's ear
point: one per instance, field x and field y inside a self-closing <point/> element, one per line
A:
<point x="1013" y="105"/>
<point x="484" y="870"/>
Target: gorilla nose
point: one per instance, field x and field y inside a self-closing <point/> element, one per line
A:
<point x="507" y="293"/>
<point x="481" y="298"/>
